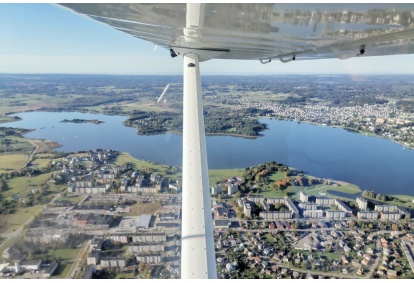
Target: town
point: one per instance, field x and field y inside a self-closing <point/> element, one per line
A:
<point x="114" y="220"/>
<point x="380" y="119"/>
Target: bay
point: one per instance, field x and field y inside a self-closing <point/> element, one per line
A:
<point x="370" y="162"/>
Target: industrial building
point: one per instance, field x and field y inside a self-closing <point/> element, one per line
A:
<point x="144" y="221"/>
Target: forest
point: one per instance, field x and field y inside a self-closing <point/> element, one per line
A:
<point x="217" y="121"/>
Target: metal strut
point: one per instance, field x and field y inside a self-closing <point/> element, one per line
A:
<point x="197" y="245"/>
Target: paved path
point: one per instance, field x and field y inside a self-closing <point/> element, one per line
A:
<point x="80" y="257"/>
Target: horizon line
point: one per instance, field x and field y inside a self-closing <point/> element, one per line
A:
<point x="218" y="74"/>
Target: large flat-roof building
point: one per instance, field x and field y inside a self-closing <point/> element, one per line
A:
<point x="390" y="216"/>
<point x="335" y="214"/>
<point x="342" y="206"/>
<point x="361" y="203"/>
<point x="325" y="201"/>
<point x="313" y="213"/>
<point x="307" y="206"/>
<point x="144" y="221"/>
<point x="271" y="215"/>
<point x="385" y="208"/>
<point x="367" y="215"/>
<point x="149" y="237"/>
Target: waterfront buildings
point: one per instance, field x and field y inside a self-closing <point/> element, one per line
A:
<point x="367" y="215"/>
<point x="361" y="203"/>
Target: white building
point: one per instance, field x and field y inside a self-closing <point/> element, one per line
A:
<point x="325" y="201"/>
<point x="361" y="203"/>
<point x="313" y="213"/>
<point x="217" y="189"/>
<point x="232" y="189"/>
<point x="303" y="196"/>
<point x="367" y="215"/>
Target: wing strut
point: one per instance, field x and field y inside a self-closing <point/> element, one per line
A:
<point x="197" y="247"/>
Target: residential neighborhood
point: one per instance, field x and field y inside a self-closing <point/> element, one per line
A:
<point x="117" y="221"/>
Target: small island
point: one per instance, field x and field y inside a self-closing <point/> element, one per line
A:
<point x="76" y="120"/>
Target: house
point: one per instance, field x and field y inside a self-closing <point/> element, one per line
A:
<point x="391" y="273"/>
<point x="347" y="249"/>
<point x="295" y="275"/>
<point x="345" y="271"/>
<point x="230" y="267"/>
<point x="364" y="261"/>
<point x="359" y="271"/>
<point x="380" y="272"/>
<point x="297" y="261"/>
<point x="367" y="256"/>
<point x="309" y="276"/>
<point x="257" y="260"/>
<point x="274" y="268"/>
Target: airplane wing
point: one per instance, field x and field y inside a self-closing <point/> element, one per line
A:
<point x="265" y="31"/>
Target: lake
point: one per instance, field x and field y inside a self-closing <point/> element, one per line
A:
<point x="370" y="162"/>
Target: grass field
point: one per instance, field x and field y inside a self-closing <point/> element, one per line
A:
<point x="21" y="185"/>
<point x="30" y="102"/>
<point x="67" y="256"/>
<point x="293" y="191"/>
<point x="216" y="175"/>
<point x="12" y="161"/>
<point x="11" y="222"/>
<point x="72" y="198"/>
<point x="126" y="275"/>
<point x="142" y="165"/>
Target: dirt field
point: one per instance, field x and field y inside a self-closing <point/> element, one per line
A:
<point x="144" y="208"/>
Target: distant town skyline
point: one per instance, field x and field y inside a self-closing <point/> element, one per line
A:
<point x="44" y="38"/>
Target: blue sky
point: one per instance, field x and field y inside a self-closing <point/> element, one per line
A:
<point x="43" y="38"/>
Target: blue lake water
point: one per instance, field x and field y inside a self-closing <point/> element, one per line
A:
<point x="370" y="162"/>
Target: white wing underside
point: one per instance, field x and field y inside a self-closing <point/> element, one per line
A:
<point x="264" y="31"/>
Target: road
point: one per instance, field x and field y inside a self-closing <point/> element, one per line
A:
<point x="79" y="258"/>
<point x="30" y="157"/>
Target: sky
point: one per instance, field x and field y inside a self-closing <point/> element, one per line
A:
<point x="43" y="38"/>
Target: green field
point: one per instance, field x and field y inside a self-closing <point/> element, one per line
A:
<point x="67" y="257"/>
<point x="12" y="162"/>
<point x="41" y="162"/>
<point x="126" y="275"/>
<point x="144" y="165"/>
<point x="315" y="190"/>
<point x="11" y="222"/>
<point x="72" y="198"/>
<point x="216" y="175"/>
<point x="23" y="185"/>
